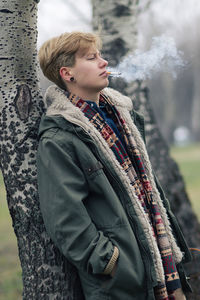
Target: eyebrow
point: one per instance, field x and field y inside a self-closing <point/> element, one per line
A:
<point x="93" y="53"/>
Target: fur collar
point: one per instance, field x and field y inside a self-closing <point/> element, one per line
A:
<point x="55" y="97"/>
<point x="57" y="104"/>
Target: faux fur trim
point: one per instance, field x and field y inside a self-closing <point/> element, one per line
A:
<point x="57" y="104"/>
<point x="118" y="99"/>
<point x="52" y="92"/>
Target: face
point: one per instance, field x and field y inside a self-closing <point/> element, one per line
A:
<point x="89" y="71"/>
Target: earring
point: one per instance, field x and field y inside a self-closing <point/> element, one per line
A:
<point x="72" y="79"/>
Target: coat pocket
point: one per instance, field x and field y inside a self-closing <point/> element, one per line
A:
<point x="129" y="280"/>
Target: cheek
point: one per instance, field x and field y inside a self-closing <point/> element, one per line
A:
<point x="84" y="77"/>
<point x="86" y="74"/>
<point x="87" y="69"/>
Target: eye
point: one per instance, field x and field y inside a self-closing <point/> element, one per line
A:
<point x="91" y="57"/>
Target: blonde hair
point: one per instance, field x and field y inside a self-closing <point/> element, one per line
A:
<point x="60" y="52"/>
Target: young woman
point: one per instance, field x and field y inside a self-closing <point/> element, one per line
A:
<point x="101" y="203"/>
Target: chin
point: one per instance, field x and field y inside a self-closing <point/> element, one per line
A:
<point x="105" y="84"/>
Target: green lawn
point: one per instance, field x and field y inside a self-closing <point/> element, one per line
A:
<point x="188" y="159"/>
<point x="10" y="271"/>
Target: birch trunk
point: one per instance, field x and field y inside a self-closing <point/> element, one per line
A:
<point x="116" y="21"/>
<point x="46" y="274"/>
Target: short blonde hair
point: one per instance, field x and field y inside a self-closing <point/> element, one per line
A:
<point x="60" y="52"/>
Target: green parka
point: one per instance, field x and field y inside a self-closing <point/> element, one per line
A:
<point x="87" y="207"/>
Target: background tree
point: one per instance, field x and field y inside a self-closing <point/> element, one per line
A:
<point x="46" y="273"/>
<point x="180" y="102"/>
<point x="117" y="21"/>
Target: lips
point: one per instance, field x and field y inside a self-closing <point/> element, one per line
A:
<point x="103" y="73"/>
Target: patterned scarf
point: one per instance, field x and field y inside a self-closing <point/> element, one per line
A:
<point x="131" y="161"/>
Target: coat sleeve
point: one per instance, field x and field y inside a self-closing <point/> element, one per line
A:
<point x="62" y="190"/>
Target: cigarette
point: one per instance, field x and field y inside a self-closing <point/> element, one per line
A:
<point x="113" y="73"/>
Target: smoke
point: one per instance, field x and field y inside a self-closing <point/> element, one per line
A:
<point x="163" y="56"/>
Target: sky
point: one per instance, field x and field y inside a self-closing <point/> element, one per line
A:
<point x="56" y="17"/>
<point x="174" y="18"/>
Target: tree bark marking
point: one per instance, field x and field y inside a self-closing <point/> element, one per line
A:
<point x="23" y="101"/>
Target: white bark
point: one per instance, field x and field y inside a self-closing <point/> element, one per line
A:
<point x="46" y="274"/>
<point x="109" y="20"/>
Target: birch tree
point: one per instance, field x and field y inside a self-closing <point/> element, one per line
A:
<point x="46" y="273"/>
<point x="117" y="23"/>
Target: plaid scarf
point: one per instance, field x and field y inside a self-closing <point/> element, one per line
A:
<point x="131" y="161"/>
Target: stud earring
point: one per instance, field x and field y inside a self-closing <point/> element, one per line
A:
<point x="72" y="79"/>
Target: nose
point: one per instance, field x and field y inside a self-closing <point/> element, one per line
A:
<point x="103" y="62"/>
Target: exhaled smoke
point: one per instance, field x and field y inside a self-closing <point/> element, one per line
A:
<point x="163" y="56"/>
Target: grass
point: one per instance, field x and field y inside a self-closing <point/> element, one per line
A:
<point x="188" y="159"/>
<point x="10" y="270"/>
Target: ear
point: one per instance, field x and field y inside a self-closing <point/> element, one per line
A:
<point x="65" y="73"/>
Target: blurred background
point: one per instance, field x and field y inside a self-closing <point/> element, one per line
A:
<point x="176" y="102"/>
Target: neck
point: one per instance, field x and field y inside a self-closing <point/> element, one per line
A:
<point x="86" y="95"/>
